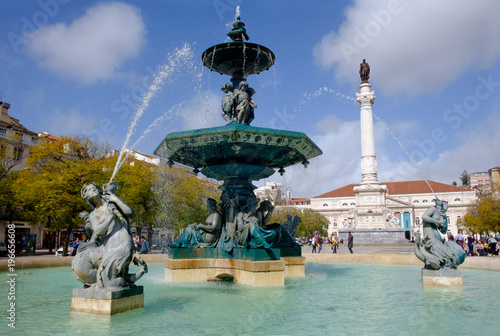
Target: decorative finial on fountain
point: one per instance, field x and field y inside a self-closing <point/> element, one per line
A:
<point x="238" y="33"/>
<point x="364" y="71"/>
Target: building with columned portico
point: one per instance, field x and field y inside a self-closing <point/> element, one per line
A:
<point x="405" y="200"/>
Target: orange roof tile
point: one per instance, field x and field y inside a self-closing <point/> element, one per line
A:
<point x="397" y="188"/>
<point x="48" y="136"/>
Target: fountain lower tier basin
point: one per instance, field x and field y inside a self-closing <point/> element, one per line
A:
<point x="217" y="149"/>
<point x="246" y="272"/>
<point x="332" y="299"/>
<point x="238" y="58"/>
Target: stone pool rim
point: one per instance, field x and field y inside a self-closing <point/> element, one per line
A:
<point x="479" y="263"/>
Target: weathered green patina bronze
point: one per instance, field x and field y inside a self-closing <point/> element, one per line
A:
<point x="102" y="264"/>
<point x="239" y="153"/>
<point x="431" y="249"/>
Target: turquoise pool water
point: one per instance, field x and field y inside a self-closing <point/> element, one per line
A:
<point x="333" y="299"/>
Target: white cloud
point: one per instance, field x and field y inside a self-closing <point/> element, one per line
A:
<point x="92" y="47"/>
<point x="477" y="152"/>
<point x="413" y="46"/>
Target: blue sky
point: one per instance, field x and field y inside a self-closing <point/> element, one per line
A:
<point x="85" y="67"/>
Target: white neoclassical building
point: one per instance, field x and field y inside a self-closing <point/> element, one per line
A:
<point x="405" y="200"/>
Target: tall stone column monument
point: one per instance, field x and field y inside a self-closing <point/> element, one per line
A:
<point x="368" y="222"/>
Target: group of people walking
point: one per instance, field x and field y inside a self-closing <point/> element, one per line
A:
<point x="316" y="242"/>
<point x="141" y="244"/>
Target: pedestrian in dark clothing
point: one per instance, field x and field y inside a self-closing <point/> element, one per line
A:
<point x="350" y="239"/>
<point x="145" y="249"/>
<point x="76" y="243"/>
<point x="470" y="244"/>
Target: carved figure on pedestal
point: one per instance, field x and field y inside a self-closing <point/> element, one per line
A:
<point x="238" y="33"/>
<point x="228" y="102"/>
<point x="244" y="103"/>
<point x="430" y="247"/>
<point x="392" y="221"/>
<point x="264" y="212"/>
<point x="201" y="235"/>
<point x="282" y="237"/>
<point x="238" y="105"/>
<point x="349" y="224"/>
<point x="105" y="260"/>
<point x="249" y="232"/>
<point x="364" y="71"/>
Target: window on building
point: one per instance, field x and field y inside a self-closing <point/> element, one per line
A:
<point x="34" y="139"/>
<point x="3" y="132"/>
<point x="457" y="199"/>
<point x="325" y="204"/>
<point x="344" y="204"/>
<point x="415" y="201"/>
<point x="425" y="201"/>
<point x="353" y="203"/>
<point x="18" y="152"/>
<point x="334" y="222"/>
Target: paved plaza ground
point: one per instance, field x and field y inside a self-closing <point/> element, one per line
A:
<point x="364" y="249"/>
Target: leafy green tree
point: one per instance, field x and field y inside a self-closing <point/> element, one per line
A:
<point x="12" y="154"/>
<point x="483" y="216"/>
<point x="182" y="197"/>
<point x="48" y="191"/>
<point x="137" y="179"/>
<point x="312" y="221"/>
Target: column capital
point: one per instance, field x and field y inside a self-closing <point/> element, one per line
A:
<point x="365" y="99"/>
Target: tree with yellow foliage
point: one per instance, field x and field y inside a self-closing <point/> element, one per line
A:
<point x="483" y="216"/>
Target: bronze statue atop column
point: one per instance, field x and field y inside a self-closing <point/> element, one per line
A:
<point x="364" y="71"/>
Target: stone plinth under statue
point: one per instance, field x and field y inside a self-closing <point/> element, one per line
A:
<point x="443" y="277"/>
<point x="107" y="302"/>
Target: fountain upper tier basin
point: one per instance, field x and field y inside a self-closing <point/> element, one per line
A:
<point x="219" y="150"/>
<point x="238" y="58"/>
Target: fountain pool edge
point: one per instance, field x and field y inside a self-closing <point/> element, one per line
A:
<point x="481" y="263"/>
